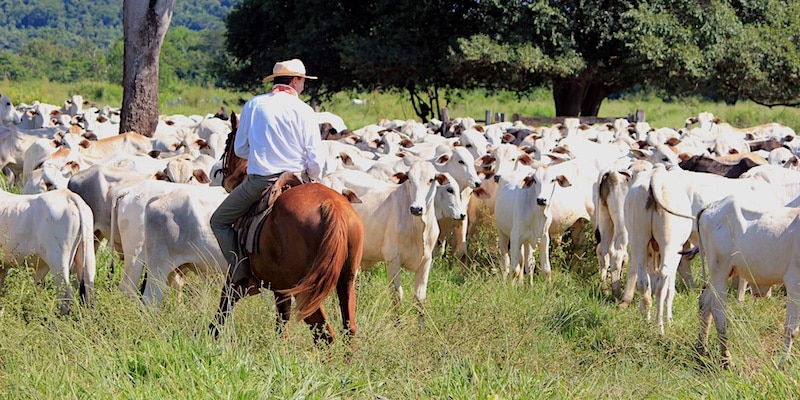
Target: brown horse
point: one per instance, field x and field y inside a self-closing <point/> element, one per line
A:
<point x="311" y="242"/>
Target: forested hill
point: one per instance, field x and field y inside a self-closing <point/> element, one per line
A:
<point x="72" y="22"/>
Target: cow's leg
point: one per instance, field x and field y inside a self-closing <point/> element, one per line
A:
<point x="393" y="272"/>
<point x="618" y="258"/>
<point x="62" y="286"/>
<point x="175" y="280"/>
<point x="530" y="261"/>
<point x="155" y="285"/>
<point x="638" y="261"/>
<point x="644" y="286"/>
<point x="741" y="284"/>
<point x="716" y="302"/>
<point x="705" y="304"/>
<point x="346" y="292"/>
<point x="544" y="253"/>
<point x="421" y="287"/>
<point x="685" y="268"/>
<point x="318" y="323"/>
<point x="669" y="268"/>
<point x="790" y="328"/>
<point x="516" y="256"/>
<point x="132" y="273"/>
<point x="603" y="234"/>
<point x="460" y="240"/>
<point x="3" y="273"/>
<point x="503" y="243"/>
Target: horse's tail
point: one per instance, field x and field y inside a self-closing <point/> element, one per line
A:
<point x="324" y="273"/>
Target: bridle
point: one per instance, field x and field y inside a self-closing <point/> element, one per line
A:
<point x="228" y="156"/>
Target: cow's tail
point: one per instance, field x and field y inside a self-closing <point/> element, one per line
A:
<point x="314" y="288"/>
<point x="700" y="245"/>
<point x="656" y="191"/>
<point x="83" y="256"/>
<point x="114" y="206"/>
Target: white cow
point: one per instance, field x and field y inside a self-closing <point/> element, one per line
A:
<point x="97" y="185"/>
<point x="52" y="230"/>
<point x="668" y="220"/>
<point x="50" y="176"/>
<point x="401" y="228"/>
<point x="523" y="216"/>
<point x="179" y="238"/>
<point x="13" y="144"/>
<point x="128" y="218"/>
<point x="8" y="114"/>
<point x="128" y="142"/>
<point x="760" y="244"/>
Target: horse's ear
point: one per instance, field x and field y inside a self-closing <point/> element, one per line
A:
<point x="234" y="121"/>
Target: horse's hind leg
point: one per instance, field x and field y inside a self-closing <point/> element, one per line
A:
<point x="284" y="305"/>
<point x="346" y="291"/>
<point x="318" y="323"/>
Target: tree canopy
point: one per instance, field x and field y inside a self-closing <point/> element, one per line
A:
<point x="585" y="50"/>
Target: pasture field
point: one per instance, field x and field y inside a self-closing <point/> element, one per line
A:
<point x="484" y="338"/>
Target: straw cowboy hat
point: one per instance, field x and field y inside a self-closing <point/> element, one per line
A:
<point x="293" y="67"/>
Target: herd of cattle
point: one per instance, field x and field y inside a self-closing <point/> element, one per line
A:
<point x="656" y="197"/>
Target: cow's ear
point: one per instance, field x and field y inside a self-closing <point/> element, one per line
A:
<point x="74" y="167"/>
<point x="794" y="161"/>
<point x="733" y="151"/>
<point x="684" y="156"/>
<point x="673" y="141"/>
<point x="528" y="181"/>
<point x="525" y="159"/>
<point x="87" y="135"/>
<point x="481" y="193"/>
<point x="200" y="176"/>
<point x="563" y="181"/>
<point x="84" y="143"/>
<point x="346" y="160"/>
<point x="154" y="153"/>
<point x="442" y="179"/>
<point x="161" y="176"/>
<point x="443" y="159"/>
<point x="351" y="196"/>
<point x="400" y="177"/>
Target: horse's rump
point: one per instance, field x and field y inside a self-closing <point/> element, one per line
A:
<point x="308" y="221"/>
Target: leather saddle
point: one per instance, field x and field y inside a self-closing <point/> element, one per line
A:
<point x="248" y="227"/>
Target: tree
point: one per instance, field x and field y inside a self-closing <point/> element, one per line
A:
<point x="584" y="50"/>
<point x="144" y="25"/>
<point x="350" y="44"/>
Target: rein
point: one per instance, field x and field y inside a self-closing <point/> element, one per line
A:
<point x="228" y="157"/>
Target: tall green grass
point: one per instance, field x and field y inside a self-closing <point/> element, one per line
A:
<point x="484" y="337"/>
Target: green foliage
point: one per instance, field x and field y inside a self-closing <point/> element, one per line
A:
<point x="75" y="40"/>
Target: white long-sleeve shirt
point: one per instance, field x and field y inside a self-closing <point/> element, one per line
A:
<point x="278" y="132"/>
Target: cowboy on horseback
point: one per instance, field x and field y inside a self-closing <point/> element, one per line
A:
<point x="277" y="132"/>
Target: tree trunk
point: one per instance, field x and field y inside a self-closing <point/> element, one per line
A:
<point x="568" y="94"/>
<point x="145" y="24"/>
<point x="593" y="98"/>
